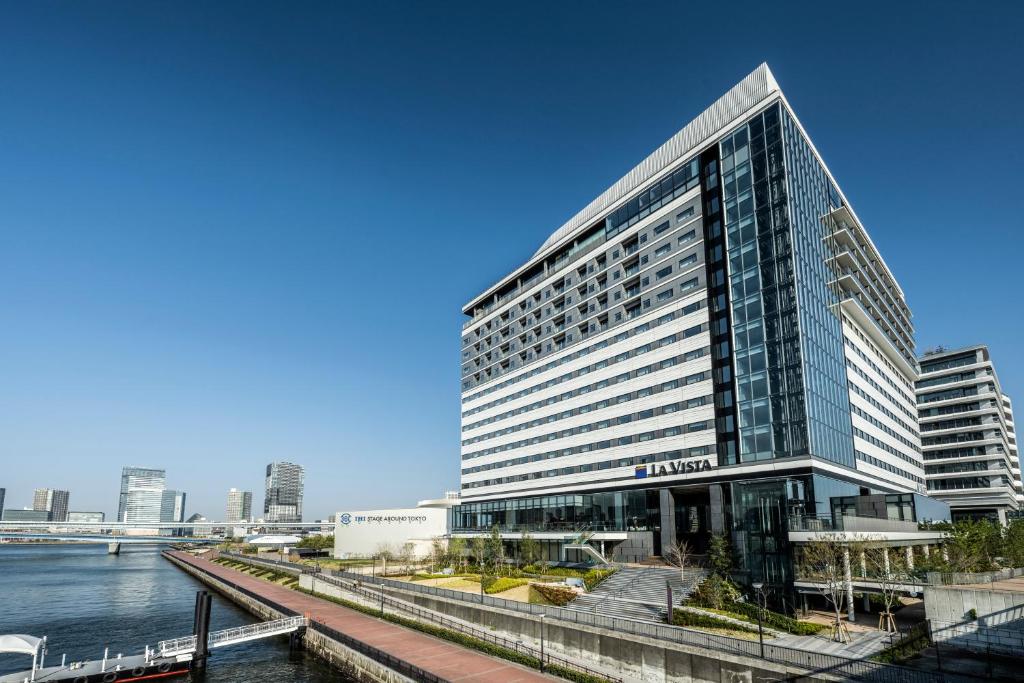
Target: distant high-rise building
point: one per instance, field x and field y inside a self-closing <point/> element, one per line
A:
<point x="141" y="495"/>
<point x="3" y="495"/>
<point x="283" y="499"/>
<point x="172" y="506"/>
<point x="239" y="506"/>
<point x="75" y="517"/>
<point x="54" y="501"/>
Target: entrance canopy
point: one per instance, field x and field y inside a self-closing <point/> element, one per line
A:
<point x="20" y="643"/>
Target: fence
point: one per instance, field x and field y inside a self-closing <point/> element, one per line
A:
<point x="812" y="661"/>
<point x="956" y="579"/>
<point x="454" y="625"/>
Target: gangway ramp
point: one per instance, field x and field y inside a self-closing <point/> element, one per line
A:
<point x="231" y="636"/>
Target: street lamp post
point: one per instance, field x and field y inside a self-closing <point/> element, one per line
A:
<point x="760" y="629"/>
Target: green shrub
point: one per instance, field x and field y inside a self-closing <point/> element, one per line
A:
<point x="774" y="620"/>
<point x="716" y="592"/>
<point x="682" y="617"/>
<point x="501" y="584"/>
<point x="556" y="595"/>
<point x="595" y="577"/>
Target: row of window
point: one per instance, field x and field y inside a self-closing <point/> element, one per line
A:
<point x="653" y="197"/>
<point x="880" y="389"/>
<point x="499" y="367"/>
<point x="621" y="336"/>
<point x="665" y="456"/>
<point x="968" y="483"/>
<point x="957" y="362"/>
<point x="625" y="355"/>
<point x="887" y="376"/>
<point x="952" y="424"/>
<point x="878" y="406"/>
<point x="875" y="441"/>
<point x="639" y="372"/>
<point x="959" y="437"/>
<point x="967" y="452"/>
<point x="955" y="409"/>
<point x="667" y="409"/>
<point x="949" y="394"/>
<point x="889" y="467"/>
<point x="969" y="466"/>
<point x="878" y="354"/>
<point x="946" y="379"/>
<point x="885" y="428"/>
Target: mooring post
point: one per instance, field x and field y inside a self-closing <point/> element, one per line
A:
<point x="202" y="632"/>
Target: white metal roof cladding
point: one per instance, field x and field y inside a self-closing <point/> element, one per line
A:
<point x="744" y="95"/>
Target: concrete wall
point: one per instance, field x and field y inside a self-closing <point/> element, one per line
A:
<point x="999" y="626"/>
<point x="634" y="657"/>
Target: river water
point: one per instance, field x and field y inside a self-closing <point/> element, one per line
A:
<point x="83" y="600"/>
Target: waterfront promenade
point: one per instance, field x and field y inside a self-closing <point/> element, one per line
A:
<point x="444" y="660"/>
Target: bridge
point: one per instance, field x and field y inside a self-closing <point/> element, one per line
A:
<point x="231" y="636"/>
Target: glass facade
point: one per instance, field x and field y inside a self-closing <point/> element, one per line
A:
<point x="793" y="397"/>
<point x="613" y="511"/>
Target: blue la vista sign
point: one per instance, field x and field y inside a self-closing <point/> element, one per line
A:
<point x="670" y="468"/>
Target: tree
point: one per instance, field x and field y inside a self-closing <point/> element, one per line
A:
<point x="1013" y="544"/>
<point x="529" y="549"/>
<point x="495" y="550"/>
<point x="317" y="542"/>
<point x="720" y="555"/>
<point x="678" y="555"/>
<point x="457" y="551"/>
<point x="890" y="571"/>
<point x="478" y="546"/>
<point x="438" y="551"/>
<point x="406" y="556"/>
<point x="972" y="546"/>
<point x="825" y="561"/>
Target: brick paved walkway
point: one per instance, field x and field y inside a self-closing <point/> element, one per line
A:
<point x="439" y="657"/>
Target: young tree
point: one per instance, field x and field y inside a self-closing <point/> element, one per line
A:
<point x="825" y="561"/>
<point x="457" y="551"/>
<point x="496" y="550"/>
<point x="406" y="556"/>
<point x="889" y="569"/>
<point x="437" y="554"/>
<point x="1013" y="543"/>
<point x="972" y="546"/>
<point x="529" y="549"/>
<point x="678" y="555"/>
<point x="478" y="546"/>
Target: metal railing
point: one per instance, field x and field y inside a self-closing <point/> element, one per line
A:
<point x="810" y="660"/>
<point x="230" y="636"/>
<point x="961" y="579"/>
<point x="489" y="637"/>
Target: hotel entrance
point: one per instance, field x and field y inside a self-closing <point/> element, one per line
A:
<point x="691" y="509"/>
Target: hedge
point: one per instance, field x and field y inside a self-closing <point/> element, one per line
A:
<point x="556" y="595"/>
<point x="682" y="617"/>
<point x="745" y="610"/>
<point x="500" y="584"/>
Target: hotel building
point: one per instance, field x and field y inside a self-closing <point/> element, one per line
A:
<point x="714" y="344"/>
<point x="141" y="499"/>
<point x="970" y="448"/>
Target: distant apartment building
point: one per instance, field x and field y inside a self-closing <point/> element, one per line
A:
<point x="3" y="496"/>
<point x="79" y="517"/>
<point x="967" y="434"/>
<point x="142" y="491"/>
<point x="282" y="500"/>
<point x="239" y="508"/>
<point x="172" y="506"/>
<point x="54" y="501"/>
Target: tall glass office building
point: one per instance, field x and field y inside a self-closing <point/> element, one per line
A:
<point x="712" y="345"/>
<point x="142" y="491"/>
<point x="282" y="501"/>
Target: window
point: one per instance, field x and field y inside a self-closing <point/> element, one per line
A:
<point x="687" y="237"/>
<point x="688" y="285"/>
<point x="664" y="272"/>
<point x="662" y="250"/>
<point x="666" y="295"/>
<point x="684" y="214"/>
<point x="688" y="261"/>
<point x="661" y="228"/>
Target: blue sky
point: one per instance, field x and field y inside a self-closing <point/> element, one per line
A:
<point x="232" y="232"/>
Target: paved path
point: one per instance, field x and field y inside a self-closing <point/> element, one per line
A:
<point x="443" y="659"/>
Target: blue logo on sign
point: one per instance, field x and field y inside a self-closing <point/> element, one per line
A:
<point x="346" y="518"/>
<point x="640" y="472"/>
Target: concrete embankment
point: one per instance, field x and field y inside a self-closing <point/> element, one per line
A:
<point x="368" y="648"/>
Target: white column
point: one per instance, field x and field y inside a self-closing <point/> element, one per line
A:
<point x="925" y="550"/>
<point x="910" y="557"/>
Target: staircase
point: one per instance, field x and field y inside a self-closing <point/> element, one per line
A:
<point x="638" y="593"/>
